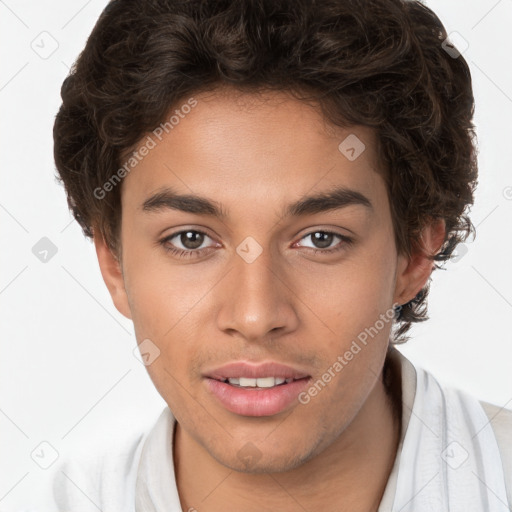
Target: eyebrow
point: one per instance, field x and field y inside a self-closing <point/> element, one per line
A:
<point x="337" y="198"/>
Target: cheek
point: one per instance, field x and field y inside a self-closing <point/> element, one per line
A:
<point x="164" y="296"/>
<point x="165" y="305"/>
<point x="161" y="315"/>
<point x="352" y="363"/>
<point x="372" y="281"/>
<point x="355" y="303"/>
<point x="351" y="296"/>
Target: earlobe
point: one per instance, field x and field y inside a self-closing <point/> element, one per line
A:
<point x="414" y="272"/>
<point x="111" y="272"/>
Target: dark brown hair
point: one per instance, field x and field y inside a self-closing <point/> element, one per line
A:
<point x="380" y="64"/>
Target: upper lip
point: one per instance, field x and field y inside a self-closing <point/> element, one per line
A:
<point x="255" y="371"/>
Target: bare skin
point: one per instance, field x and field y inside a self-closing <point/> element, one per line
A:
<point x="290" y="305"/>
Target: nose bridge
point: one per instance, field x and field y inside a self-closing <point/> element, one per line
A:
<point x="256" y="301"/>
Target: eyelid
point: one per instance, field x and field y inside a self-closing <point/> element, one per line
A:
<point x="344" y="241"/>
<point x="204" y="232"/>
<point x="332" y="228"/>
<point x="186" y="230"/>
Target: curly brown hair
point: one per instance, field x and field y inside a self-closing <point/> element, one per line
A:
<point x="380" y="64"/>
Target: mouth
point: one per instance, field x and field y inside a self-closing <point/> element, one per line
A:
<point x="249" y="389"/>
<point x="258" y="383"/>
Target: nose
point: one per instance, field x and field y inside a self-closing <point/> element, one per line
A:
<point x="257" y="301"/>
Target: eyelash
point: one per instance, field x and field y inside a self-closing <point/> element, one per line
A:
<point x="182" y="253"/>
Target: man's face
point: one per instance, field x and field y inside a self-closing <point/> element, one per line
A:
<point x="261" y="284"/>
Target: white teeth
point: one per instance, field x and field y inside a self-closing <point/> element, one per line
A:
<point x="266" y="382"/>
<point x="246" y="382"/>
<point x="263" y="382"/>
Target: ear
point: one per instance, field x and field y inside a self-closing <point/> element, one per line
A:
<point x="413" y="272"/>
<point x="111" y="271"/>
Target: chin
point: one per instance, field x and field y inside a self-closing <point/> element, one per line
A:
<point x="249" y="459"/>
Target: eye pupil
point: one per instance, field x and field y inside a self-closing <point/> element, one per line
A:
<point x="322" y="239"/>
<point x="192" y="239"/>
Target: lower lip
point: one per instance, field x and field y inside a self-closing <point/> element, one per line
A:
<point x="256" y="401"/>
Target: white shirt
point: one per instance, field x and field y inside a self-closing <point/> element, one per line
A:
<point x="139" y="475"/>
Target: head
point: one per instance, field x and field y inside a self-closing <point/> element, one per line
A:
<point x="266" y="181"/>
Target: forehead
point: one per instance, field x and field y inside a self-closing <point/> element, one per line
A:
<point x="245" y="147"/>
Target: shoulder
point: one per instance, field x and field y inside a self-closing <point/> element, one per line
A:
<point x="501" y="422"/>
<point x="99" y="477"/>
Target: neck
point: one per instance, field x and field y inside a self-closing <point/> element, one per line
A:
<point x="350" y="475"/>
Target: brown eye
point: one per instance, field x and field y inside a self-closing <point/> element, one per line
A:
<point x="324" y="242"/>
<point x="192" y="239"/>
<point x="187" y="243"/>
<point x="322" y="239"/>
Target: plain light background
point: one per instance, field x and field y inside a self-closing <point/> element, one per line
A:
<point x="67" y="368"/>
